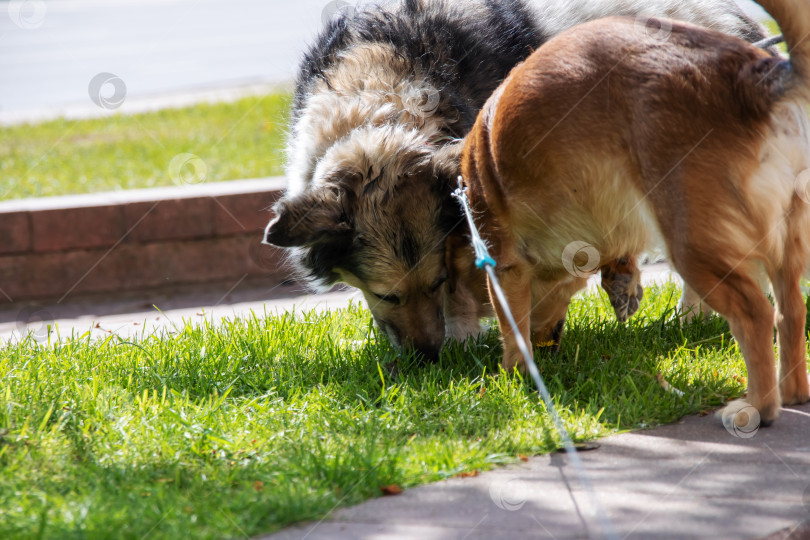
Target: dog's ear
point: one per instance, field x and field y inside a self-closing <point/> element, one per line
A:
<point x="447" y="162"/>
<point x="318" y="215"/>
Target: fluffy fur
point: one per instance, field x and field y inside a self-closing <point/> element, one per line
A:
<point x="381" y="102"/>
<point x="611" y="135"/>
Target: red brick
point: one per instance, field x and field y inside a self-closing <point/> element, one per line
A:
<point x="139" y="266"/>
<point x="200" y="261"/>
<point x="76" y="228"/>
<point x="177" y="219"/>
<point x="15" y="232"/>
<point x="44" y="275"/>
<point x="245" y="212"/>
<point x="266" y="259"/>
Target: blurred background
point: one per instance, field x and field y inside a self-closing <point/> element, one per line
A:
<point x="49" y="51"/>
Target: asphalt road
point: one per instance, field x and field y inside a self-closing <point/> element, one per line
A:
<point x="50" y="51"/>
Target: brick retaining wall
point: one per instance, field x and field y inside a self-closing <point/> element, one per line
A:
<point x="57" y="247"/>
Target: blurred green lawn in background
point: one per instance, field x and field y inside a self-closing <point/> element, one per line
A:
<point x="242" y="139"/>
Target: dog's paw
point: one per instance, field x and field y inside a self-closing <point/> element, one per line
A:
<point x="625" y="295"/>
<point x="795" y="390"/>
<point x="743" y="419"/>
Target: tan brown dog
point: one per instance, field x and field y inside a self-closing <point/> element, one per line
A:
<point x="614" y="133"/>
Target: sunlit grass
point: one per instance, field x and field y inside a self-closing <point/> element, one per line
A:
<point x="243" y="139"/>
<point x="773" y="30"/>
<point x="216" y="432"/>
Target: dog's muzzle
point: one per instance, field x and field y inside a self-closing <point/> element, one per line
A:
<point x="429" y="353"/>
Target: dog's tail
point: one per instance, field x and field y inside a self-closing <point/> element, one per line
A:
<point x="793" y="17"/>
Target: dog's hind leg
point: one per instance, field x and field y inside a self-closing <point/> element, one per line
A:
<point x="791" y="316"/>
<point x="621" y="279"/>
<point x="738" y="297"/>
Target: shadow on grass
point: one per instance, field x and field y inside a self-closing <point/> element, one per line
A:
<point x="262" y="422"/>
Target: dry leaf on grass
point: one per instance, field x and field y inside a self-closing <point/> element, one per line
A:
<point x="392" y="489"/>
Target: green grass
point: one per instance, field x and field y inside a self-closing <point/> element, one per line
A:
<point x="243" y="139"/>
<point x="234" y="430"/>
<point x="774" y="30"/>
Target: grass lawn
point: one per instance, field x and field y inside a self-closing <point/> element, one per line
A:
<point x="773" y="30"/>
<point x="243" y="139"/>
<point x="239" y="429"/>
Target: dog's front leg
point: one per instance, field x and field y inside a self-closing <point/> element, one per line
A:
<point x="516" y="280"/>
<point x="550" y="301"/>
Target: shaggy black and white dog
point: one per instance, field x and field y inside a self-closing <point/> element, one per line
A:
<point x="382" y="100"/>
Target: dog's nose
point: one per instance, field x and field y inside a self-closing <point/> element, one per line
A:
<point x="267" y="236"/>
<point x="428" y="352"/>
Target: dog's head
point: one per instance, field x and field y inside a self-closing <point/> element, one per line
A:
<point x="376" y="216"/>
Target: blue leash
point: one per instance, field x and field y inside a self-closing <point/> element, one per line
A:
<point x="767" y="43"/>
<point x="484" y="260"/>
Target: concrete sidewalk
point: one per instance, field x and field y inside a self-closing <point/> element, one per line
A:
<point x="156" y="312"/>
<point x="135" y="313"/>
<point x="693" y="479"/>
